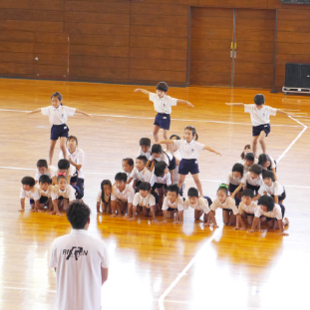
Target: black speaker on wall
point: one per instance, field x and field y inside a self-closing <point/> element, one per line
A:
<point x="297" y="75"/>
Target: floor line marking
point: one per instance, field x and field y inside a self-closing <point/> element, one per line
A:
<point x="294" y="141"/>
<point x="161" y="299"/>
<point x="173" y="119"/>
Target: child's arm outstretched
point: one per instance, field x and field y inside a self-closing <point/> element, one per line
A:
<point x="208" y="148"/>
<point x="81" y="112"/>
<point x="143" y="91"/>
<point x="166" y="142"/>
<point x="34" y="111"/>
<point x="284" y="113"/>
<point x="185" y="102"/>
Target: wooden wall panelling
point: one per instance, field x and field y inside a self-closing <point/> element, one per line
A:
<point x="293" y="39"/>
<point x="255" y="36"/>
<point x="158" y="43"/>
<point x="211" y="35"/>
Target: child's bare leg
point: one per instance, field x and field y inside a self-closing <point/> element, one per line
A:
<point x="51" y="152"/>
<point x="205" y="217"/>
<point x="270" y="223"/>
<point x="198" y="183"/>
<point x="198" y="214"/>
<point x="225" y="217"/>
<point x="232" y="219"/>
<point x="250" y="219"/>
<point x="65" y="204"/>
<point x="261" y="140"/>
<point x="165" y="134"/>
<point x="181" y="180"/>
<point x="155" y="133"/>
<point x="145" y="211"/>
<point x="63" y="147"/>
<point x="254" y="144"/>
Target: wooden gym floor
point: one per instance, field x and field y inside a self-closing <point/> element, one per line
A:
<point x="155" y="266"/>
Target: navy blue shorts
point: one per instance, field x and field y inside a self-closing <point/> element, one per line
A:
<point x="172" y="209"/>
<point x="172" y="164"/>
<point x="209" y="200"/>
<point x="282" y="211"/>
<point x="282" y="196"/>
<point x="162" y="120"/>
<point x="253" y="188"/>
<point x="43" y="199"/>
<point x="256" y="130"/>
<point x="59" y="131"/>
<point x="188" y="165"/>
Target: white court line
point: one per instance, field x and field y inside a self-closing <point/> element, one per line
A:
<point x="25" y="289"/>
<point x="185" y="270"/>
<point x="173" y="119"/>
<point x="294" y="141"/>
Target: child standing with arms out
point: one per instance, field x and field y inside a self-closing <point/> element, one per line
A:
<point x="58" y="115"/>
<point x="260" y="117"/>
<point x="162" y="105"/>
<point x="190" y="149"/>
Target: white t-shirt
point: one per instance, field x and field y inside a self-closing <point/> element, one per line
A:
<point x="58" y="116"/>
<point x="166" y="179"/>
<point x="50" y="172"/>
<point x="189" y="150"/>
<point x="126" y="195"/>
<point x="144" y="175"/>
<point x="232" y="180"/>
<point x="33" y="193"/>
<point x="71" y="171"/>
<point x="228" y="204"/>
<point x="275" y="213"/>
<point x="275" y="189"/>
<point x="177" y="205"/>
<point x="201" y="205"/>
<point x="165" y="157"/>
<point x="68" y="193"/>
<point x="77" y="157"/>
<point x="254" y="182"/>
<point x="259" y="117"/>
<point x="78" y="258"/>
<point x="147" y="202"/>
<point x="251" y="208"/>
<point x="48" y="192"/>
<point x="163" y="105"/>
<point x="147" y="154"/>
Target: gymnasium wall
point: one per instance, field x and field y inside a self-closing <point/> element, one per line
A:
<point x="124" y="41"/>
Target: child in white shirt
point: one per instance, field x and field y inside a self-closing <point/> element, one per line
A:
<point x="62" y="194"/>
<point x="246" y="208"/>
<point x="145" y="200"/>
<point x="162" y="105"/>
<point x="201" y="205"/>
<point x="260" y="117"/>
<point x="29" y="190"/>
<point x="44" y="169"/>
<point x="172" y="204"/>
<point x="104" y="197"/>
<point x="45" y="190"/>
<point x="145" y="146"/>
<point x="58" y="115"/>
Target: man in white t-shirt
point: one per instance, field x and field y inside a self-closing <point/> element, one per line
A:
<point x="260" y="118"/>
<point x="162" y="105"/>
<point x="81" y="263"/>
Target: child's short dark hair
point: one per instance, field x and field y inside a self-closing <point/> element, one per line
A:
<point x="160" y="168"/>
<point x="259" y="99"/>
<point x="224" y="188"/>
<point x="163" y="86"/>
<point x="144" y="186"/>
<point x="249" y="156"/>
<point x="246" y="147"/>
<point x="145" y="141"/>
<point x="42" y="163"/>
<point x="78" y="214"/>
<point x="247" y="193"/>
<point x="121" y="176"/>
<point x="193" y="130"/>
<point x="175" y="136"/>
<point x="143" y="158"/>
<point x="192" y="192"/>
<point x="45" y="179"/>
<point x="266" y="201"/>
<point x="256" y="169"/>
<point x="129" y="161"/>
<point x="156" y="148"/>
<point x="263" y="158"/>
<point x="173" y="188"/>
<point x="63" y="164"/>
<point x="28" y="181"/>
<point x="105" y="182"/>
<point x="238" y="168"/>
<point x="61" y="176"/>
<point x="58" y="95"/>
<point x="268" y="174"/>
<point x="73" y="138"/>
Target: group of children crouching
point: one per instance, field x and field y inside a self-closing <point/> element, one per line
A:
<point x="152" y="187"/>
<point x="251" y="196"/>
